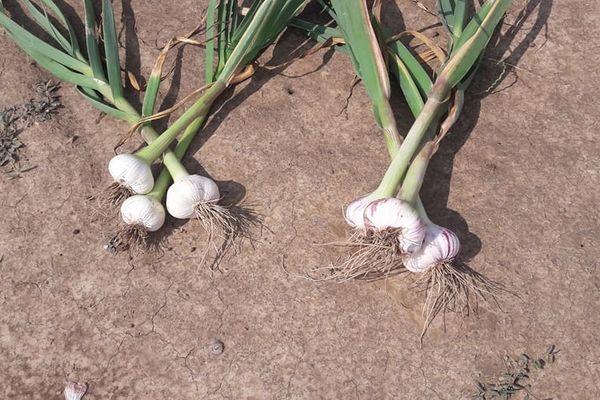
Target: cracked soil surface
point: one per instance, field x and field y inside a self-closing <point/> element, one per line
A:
<point x="517" y="180"/>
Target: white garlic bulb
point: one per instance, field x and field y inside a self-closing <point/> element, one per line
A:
<point x="398" y="214"/>
<point x="355" y="211"/>
<point x="132" y="172"/>
<point x="74" y="391"/>
<point x="187" y="192"/>
<point x="441" y="245"/>
<point x="143" y="210"/>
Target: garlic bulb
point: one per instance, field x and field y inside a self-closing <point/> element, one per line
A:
<point x="441" y="245"/>
<point x="187" y="192"/>
<point x="74" y="391"/>
<point x="131" y="171"/>
<point x="398" y="214"/>
<point x="143" y="210"/>
<point x="355" y="211"/>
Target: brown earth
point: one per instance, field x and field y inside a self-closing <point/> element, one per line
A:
<point x="518" y="181"/>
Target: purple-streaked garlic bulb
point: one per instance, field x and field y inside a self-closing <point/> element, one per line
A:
<point x="440" y="246"/>
<point x="397" y="214"/>
<point x="355" y="212"/>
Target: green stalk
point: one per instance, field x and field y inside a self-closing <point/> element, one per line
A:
<point x="199" y="109"/>
<point x="460" y="10"/>
<point x="387" y="121"/>
<point x="416" y="173"/>
<point x="451" y="75"/>
<point x="355" y="23"/>
<point x="149" y="134"/>
<point x="173" y="162"/>
<point x="433" y="107"/>
<point x="171" y="159"/>
<point x="264" y="26"/>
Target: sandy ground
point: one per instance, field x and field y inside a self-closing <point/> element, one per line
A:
<point x="518" y="181"/>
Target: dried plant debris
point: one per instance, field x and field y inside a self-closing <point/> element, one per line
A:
<point x="16" y="118"/>
<point x="513" y="382"/>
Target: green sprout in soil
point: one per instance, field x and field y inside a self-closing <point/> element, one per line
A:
<point x="16" y="118"/>
<point x="513" y="381"/>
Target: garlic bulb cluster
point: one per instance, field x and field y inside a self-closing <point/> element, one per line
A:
<point x="74" y="391"/>
<point x="441" y="245"/>
<point x="398" y="214"/>
<point x="143" y="210"/>
<point x="187" y="192"/>
<point x="132" y="172"/>
<point x="378" y="215"/>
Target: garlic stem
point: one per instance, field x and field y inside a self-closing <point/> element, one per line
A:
<point x="199" y="109"/>
<point x="387" y="121"/>
<point x="416" y="173"/>
<point x="164" y="178"/>
<point x="170" y="159"/>
<point x="399" y="165"/>
<point x="451" y="74"/>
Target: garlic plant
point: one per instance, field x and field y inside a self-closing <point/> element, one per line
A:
<point x="98" y="78"/>
<point x="399" y="236"/>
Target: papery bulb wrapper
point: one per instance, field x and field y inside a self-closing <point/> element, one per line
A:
<point x="355" y="211"/>
<point x="441" y="245"/>
<point x="397" y="214"/>
<point x="131" y="171"/>
<point x="144" y="211"/>
<point x="185" y="193"/>
<point x="74" y="391"/>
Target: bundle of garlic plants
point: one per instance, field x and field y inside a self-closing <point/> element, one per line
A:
<point x="392" y="232"/>
<point x="238" y="42"/>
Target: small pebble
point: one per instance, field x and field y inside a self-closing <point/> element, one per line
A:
<point x="217" y="347"/>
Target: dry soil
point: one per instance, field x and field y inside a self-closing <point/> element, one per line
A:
<point x="517" y="180"/>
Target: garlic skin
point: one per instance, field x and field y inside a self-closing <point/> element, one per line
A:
<point x="74" y="391"/>
<point x="441" y="245"/>
<point x="187" y="192"/>
<point x="397" y="214"/>
<point x="131" y="171"/>
<point x="143" y="210"/>
<point x="355" y="211"/>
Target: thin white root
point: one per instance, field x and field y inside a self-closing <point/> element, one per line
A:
<point x="454" y="288"/>
<point x="224" y="224"/>
<point x="111" y="197"/>
<point x="375" y="255"/>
